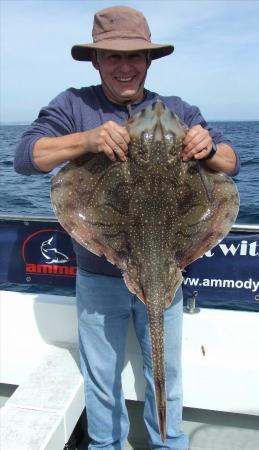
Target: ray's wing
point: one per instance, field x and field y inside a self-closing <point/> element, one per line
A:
<point x="90" y="197"/>
<point x="208" y="207"/>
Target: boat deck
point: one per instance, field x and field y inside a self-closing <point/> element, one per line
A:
<point x="207" y="430"/>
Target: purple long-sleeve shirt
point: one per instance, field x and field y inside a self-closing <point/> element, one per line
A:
<point x="76" y="110"/>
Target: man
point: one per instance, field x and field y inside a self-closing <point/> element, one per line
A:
<point x="88" y="120"/>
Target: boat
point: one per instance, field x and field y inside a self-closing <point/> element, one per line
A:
<point x="39" y="353"/>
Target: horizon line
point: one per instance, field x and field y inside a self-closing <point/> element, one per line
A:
<point x="25" y="122"/>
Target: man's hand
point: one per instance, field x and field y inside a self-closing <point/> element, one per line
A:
<point x="197" y="143"/>
<point x="109" y="138"/>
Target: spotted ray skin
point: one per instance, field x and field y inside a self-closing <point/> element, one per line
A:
<point x="151" y="216"/>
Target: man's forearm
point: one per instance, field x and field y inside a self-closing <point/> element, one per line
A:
<point x="109" y="138"/>
<point x="224" y="159"/>
<point x="50" y="152"/>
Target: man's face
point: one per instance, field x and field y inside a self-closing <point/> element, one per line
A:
<point x="123" y="74"/>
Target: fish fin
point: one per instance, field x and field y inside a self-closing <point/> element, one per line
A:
<point x="133" y="286"/>
<point x="176" y="279"/>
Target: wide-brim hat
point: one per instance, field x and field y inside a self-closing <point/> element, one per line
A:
<point x="120" y="28"/>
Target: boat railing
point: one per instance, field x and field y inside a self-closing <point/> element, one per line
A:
<point x="237" y="227"/>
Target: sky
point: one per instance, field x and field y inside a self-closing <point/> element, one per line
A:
<point x="215" y="64"/>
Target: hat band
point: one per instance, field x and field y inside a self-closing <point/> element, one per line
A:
<point x="109" y="35"/>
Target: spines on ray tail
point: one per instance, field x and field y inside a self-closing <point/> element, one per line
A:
<point x="156" y="327"/>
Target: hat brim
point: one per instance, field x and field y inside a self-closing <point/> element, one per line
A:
<point x="83" y="52"/>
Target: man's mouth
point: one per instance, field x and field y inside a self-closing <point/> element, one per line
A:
<point x="124" y="79"/>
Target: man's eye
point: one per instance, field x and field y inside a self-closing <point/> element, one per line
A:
<point x="136" y="55"/>
<point x="114" y="57"/>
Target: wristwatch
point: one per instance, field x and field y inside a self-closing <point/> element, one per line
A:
<point x="211" y="153"/>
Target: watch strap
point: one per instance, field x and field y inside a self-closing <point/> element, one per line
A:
<point x="211" y="153"/>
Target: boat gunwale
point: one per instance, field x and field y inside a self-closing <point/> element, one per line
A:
<point x="237" y="227"/>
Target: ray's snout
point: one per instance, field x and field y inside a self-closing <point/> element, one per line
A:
<point x="158" y="121"/>
<point x="158" y="107"/>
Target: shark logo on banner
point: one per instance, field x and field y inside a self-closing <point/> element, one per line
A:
<point x="36" y="252"/>
<point x="47" y="252"/>
<point x="51" y="254"/>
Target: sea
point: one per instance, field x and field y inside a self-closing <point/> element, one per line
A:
<point x="21" y="195"/>
<point x="30" y="195"/>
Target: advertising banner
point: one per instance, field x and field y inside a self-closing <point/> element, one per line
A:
<point x="37" y="252"/>
<point x="228" y="275"/>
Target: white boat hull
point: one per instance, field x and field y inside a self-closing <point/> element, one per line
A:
<point x="220" y="350"/>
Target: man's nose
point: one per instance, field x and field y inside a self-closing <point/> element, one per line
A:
<point x="125" y="63"/>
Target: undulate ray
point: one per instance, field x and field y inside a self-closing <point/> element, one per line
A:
<point x="151" y="216"/>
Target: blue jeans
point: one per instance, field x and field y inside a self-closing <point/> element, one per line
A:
<point x="104" y="307"/>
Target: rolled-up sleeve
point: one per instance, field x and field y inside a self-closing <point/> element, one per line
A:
<point x="193" y="116"/>
<point x="54" y="120"/>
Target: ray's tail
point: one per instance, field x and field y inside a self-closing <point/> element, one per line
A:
<point x="156" y="325"/>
